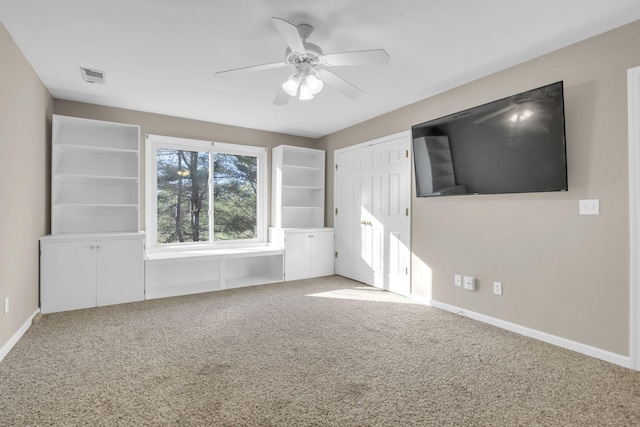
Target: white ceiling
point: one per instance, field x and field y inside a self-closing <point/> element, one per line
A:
<point x="161" y="55"/>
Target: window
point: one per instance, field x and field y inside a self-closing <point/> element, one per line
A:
<point x="204" y="193"/>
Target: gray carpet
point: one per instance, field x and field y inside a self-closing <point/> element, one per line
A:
<point x="320" y="352"/>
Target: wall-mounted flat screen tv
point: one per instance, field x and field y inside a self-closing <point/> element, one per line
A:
<point x="513" y="145"/>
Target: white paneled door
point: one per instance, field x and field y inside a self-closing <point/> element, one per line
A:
<point x="372" y="224"/>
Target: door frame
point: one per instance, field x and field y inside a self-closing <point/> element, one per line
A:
<point x="633" y="97"/>
<point x="404" y="134"/>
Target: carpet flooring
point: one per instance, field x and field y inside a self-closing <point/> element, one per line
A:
<point x="319" y="352"/>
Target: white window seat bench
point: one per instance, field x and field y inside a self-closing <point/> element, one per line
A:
<point x="172" y="273"/>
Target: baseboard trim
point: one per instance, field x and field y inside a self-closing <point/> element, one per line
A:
<point x="16" y="337"/>
<point x="598" y="353"/>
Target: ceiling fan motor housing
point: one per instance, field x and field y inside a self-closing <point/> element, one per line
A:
<point x="312" y="55"/>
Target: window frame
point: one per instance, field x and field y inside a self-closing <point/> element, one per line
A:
<point x="155" y="142"/>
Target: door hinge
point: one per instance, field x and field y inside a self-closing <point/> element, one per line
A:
<point x="406" y="212"/>
<point x="336" y="211"/>
<point x="406" y="270"/>
<point x="336" y="166"/>
<point x="406" y="154"/>
<point x="336" y="254"/>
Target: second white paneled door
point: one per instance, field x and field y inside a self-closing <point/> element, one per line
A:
<point x="372" y="224"/>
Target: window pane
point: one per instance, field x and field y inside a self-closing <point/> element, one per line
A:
<point x="183" y="196"/>
<point x="235" y="197"/>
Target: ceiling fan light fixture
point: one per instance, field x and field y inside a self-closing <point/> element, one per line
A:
<point x="291" y="85"/>
<point x="305" y="92"/>
<point x="307" y="79"/>
<point x="314" y="84"/>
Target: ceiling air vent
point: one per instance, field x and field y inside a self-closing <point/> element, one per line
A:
<point x="94" y="76"/>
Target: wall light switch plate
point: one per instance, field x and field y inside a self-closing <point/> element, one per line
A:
<point x="590" y="207"/>
<point x="470" y="283"/>
<point x="458" y="280"/>
<point x="6" y="305"/>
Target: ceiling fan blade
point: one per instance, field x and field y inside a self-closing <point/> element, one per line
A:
<point x="290" y="34"/>
<point x="341" y="84"/>
<point x="281" y="98"/>
<point x="252" y="68"/>
<point x="361" y="57"/>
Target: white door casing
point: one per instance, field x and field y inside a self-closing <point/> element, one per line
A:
<point x="372" y="223"/>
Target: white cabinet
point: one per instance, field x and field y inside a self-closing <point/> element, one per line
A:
<point x="307" y="252"/>
<point x="92" y="270"/>
<point x="297" y="214"/>
<point x="95" y="254"/>
<point x="94" y="176"/>
<point x="189" y="272"/>
<point x="297" y="187"/>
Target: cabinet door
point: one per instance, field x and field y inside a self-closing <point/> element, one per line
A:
<point x="120" y="271"/>
<point x="322" y="254"/>
<point x="297" y="255"/>
<point x="67" y="276"/>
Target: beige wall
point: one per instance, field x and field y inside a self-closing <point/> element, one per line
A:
<point x="158" y="124"/>
<point x="562" y="273"/>
<point x="25" y="123"/>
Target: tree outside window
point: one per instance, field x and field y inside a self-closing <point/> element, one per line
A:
<point x="183" y="196"/>
<point x="235" y="197"/>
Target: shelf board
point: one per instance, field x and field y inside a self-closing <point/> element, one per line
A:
<point x="215" y="253"/>
<point x="257" y="279"/>
<point x="305" y="187"/>
<point x="96" y="177"/>
<point x="96" y="205"/>
<point x="302" y="167"/>
<point x="183" y="288"/>
<point x="302" y="207"/>
<point x="74" y="147"/>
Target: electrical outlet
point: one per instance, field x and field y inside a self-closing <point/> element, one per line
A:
<point x="590" y="207"/>
<point x="458" y="280"/>
<point x="497" y="288"/>
<point x="470" y="283"/>
<point x="6" y="305"/>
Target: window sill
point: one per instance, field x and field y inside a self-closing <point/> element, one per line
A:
<point x="216" y="253"/>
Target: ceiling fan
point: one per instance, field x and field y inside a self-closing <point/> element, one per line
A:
<point x="309" y="62"/>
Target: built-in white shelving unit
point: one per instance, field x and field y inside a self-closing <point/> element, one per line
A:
<point x="95" y="176"/>
<point x="297" y="187"/>
<point x="188" y="272"/>
<point x="297" y="214"/>
<point x="95" y="253"/>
